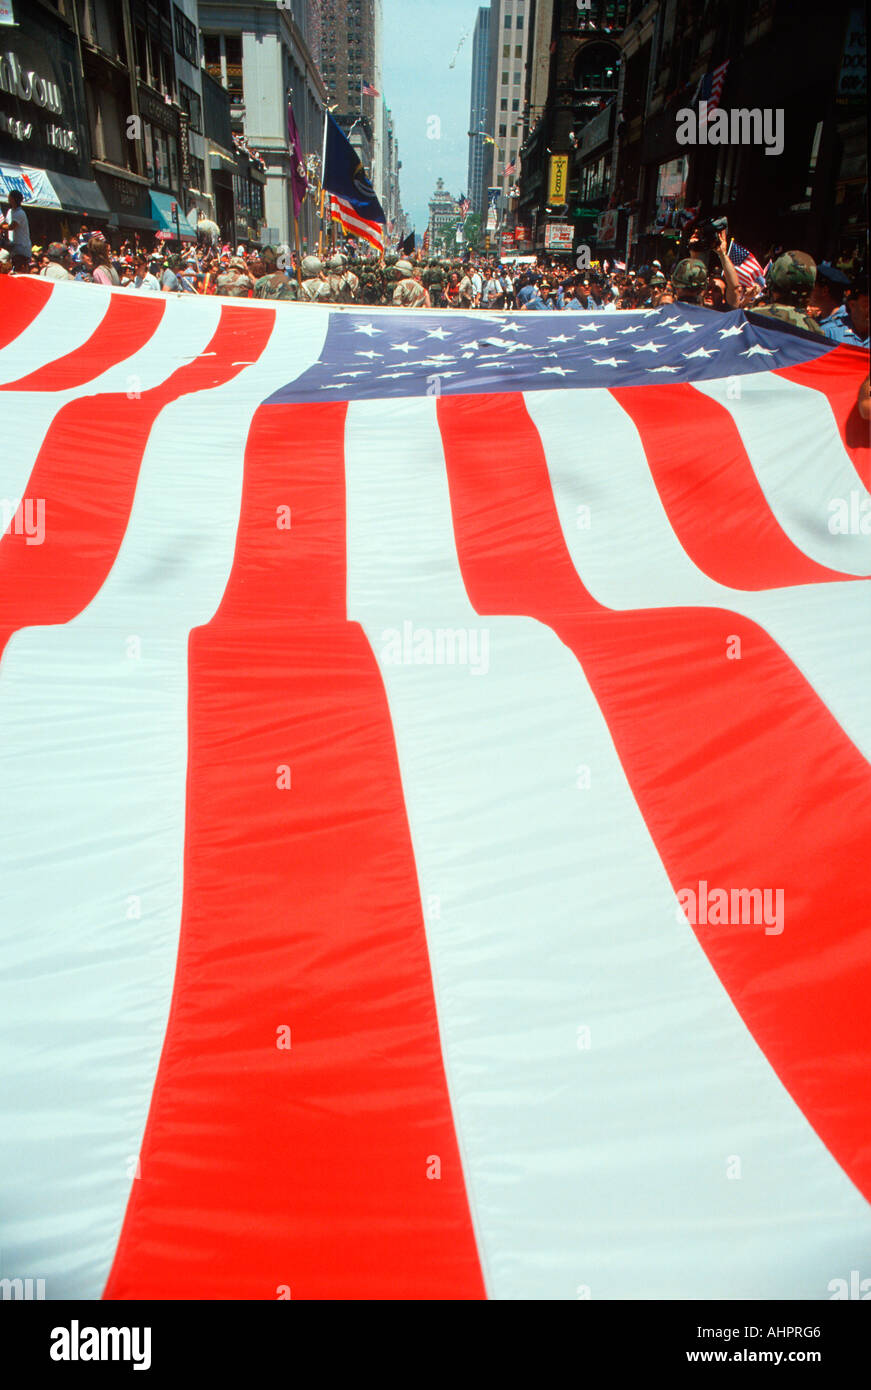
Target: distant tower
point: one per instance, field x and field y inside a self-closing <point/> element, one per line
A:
<point x="478" y="109"/>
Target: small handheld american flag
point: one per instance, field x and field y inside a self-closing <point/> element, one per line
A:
<point x="748" y="269"/>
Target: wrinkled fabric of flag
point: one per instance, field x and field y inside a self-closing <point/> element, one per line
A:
<point x="436" y="802"/>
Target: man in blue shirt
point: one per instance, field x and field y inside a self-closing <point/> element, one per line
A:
<point x="843" y="322"/>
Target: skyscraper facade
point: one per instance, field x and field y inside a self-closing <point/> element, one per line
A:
<point x="478" y="109"/>
<point x="508" y="42"/>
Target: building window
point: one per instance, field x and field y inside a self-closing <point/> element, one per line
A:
<point x="212" y="55"/>
<point x="517" y="77"/>
<point x="198" y="174"/>
<point x="189" y="101"/>
<point x="520" y="21"/>
<point x="505" y="79"/>
<point x="185" y="37"/>
<point x="506" y="50"/>
<point x="507" y="21"/>
<point x="518" y="50"/>
<point x="515" y="105"/>
<point x="503" y="104"/>
<point x="503" y="130"/>
<point x="233" y="48"/>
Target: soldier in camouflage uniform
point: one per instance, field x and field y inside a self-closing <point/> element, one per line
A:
<point x="689" y="280"/>
<point x="409" y="293"/>
<point x="314" y="288"/>
<point x="371" y="283"/>
<point x="272" y="283"/>
<point x="342" y="282"/>
<point x="790" y="280"/>
<point x="434" y="278"/>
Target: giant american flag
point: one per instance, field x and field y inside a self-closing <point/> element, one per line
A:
<point x="391" y="701"/>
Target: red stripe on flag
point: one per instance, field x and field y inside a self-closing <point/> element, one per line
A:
<point x="87" y="497"/>
<point x="125" y="328"/>
<point x="713" y="754"/>
<point x="839" y="374"/>
<point x="21" y="299"/>
<point x="710" y="492"/>
<point x="306" y="1167"/>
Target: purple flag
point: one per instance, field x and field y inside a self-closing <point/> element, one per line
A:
<point x="298" y="175"/>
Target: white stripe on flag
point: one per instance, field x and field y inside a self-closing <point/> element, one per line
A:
<point x="92" y="822"/>
<point x="28" y="415"/>
<point x="533" y="936"/>
<point x="630" y="557"/>
<point x="793" y="443"/>
<point x="55" y="330"/>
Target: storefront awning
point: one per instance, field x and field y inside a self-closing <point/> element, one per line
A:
<point x="173" y="224"/>
<point x="43" y="188"/>
<point x="79" y="195"/>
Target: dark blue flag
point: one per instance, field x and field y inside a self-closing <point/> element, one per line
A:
<point x="345" y="176"/>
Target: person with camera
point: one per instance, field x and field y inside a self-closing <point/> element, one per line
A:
<point x="706" y="239"/>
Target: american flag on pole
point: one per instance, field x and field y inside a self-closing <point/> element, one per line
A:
<point x="370" y="91"/>
<point x="747" y="268"/>
<point x="436" y="802"/>
<point x="510" y="167"/>
<point x="354" y="223"/>
<point x="710" y="89"/>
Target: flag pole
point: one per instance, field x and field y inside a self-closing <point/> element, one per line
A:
<point x="323" y="172"/>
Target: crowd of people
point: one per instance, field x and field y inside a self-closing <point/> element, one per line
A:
<point x="826" y="299"/>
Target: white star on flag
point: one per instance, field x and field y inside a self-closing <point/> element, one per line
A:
<point x="687" y="328"/>
<point x="662" y="369"/>
<point x="647" y="347"/>
<point x="600" y="342"/>
<point x="561" y="339"/>
<point x="401" y="347"/>
<point x="757" y="350"/>
<point x="610" y="361"/>
<point x="437" y="333"/>
<point x="368" y="328"/>
<point x="557" y="371"/>
<point x="701" y="352"/>
<point x="370" y="353"/>
<point x="731" y="332"/>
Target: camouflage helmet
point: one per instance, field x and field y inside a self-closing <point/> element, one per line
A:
<point x="656" y="280"/>
<point x="404" y="269"/>
<point x="391" y="258"/>
<point x="311" y="267"/>
<point x="336" y="262"/>
<point x="689" y="275"/>
<point x="794" y="271"/>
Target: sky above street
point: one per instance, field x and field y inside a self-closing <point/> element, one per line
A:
<point x="429" y="98"/>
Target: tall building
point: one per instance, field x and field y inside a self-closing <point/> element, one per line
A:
<point x="351" y="38"/>
<point x="781" y="55"/>
<point x="443" y="218"/>
<point x="103" y="129"/>
<point x="572" y="85"/>
<point x="259" y="53"/>
<point x="508" y="41"/>
<point x="478" y="110"/>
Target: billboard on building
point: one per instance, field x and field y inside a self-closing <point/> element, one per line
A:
<point x="558" y="236"/>
<point x="558" y="182"/>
